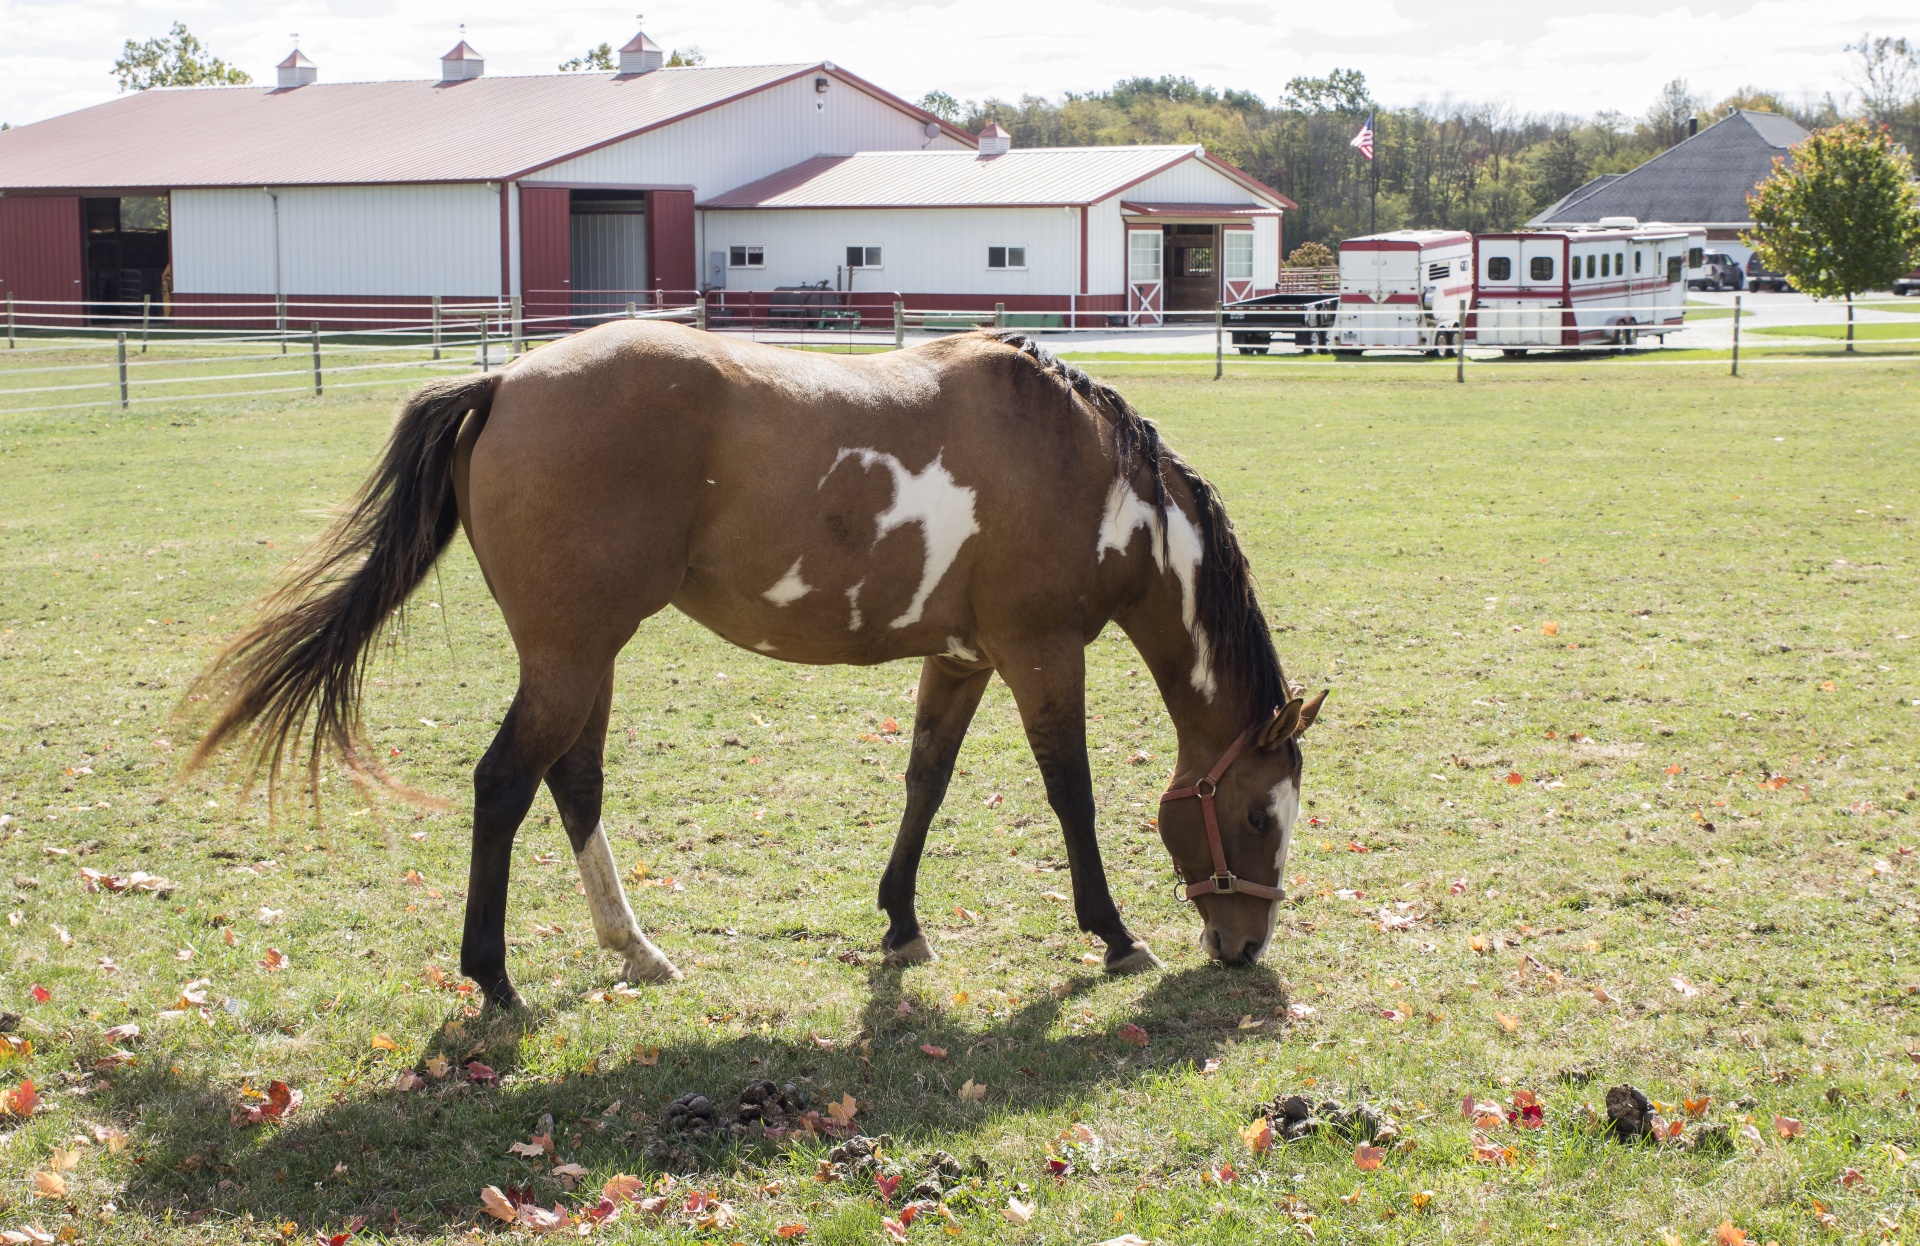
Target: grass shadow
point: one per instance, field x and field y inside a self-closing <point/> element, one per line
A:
<point x="416" y="1161"/>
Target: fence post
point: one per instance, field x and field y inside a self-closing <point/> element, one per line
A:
<point x="9" y="320"/>
<point x="630" y="309"/>
<point x="1460" y="349"/>
<point x="1736" y="334"/>
<point x="280" y="319"/>
<point x="436" y="326"/>
<point x="146" y="314"/>
<point x="316" y="359"/>
<point x="486" y="364"/>
<point x="519" y="329"/>
<point x="999" y="315"/>
<point x="700" y="313"/>
<point x="121" y="350"/>
<point x="1219" y="339"/>
<point x="899" y="324"/>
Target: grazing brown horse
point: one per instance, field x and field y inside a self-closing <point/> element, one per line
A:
<point x="973" y="503"/>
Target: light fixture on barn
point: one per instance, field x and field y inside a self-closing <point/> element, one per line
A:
<point x="820" y="85"/>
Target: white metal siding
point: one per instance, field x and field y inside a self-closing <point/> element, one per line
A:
<point x="1106" y="249"/>
<point x="737" y="143"/>
<point x="371" y="240"/>
<point x="1266" y="252"/>
<point x="927" y="250"/>
<point x="1190" y="181"/>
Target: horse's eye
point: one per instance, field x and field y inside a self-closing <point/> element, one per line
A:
<point x="1257" y="820"/>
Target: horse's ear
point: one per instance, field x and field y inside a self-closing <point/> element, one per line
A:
<point x="1311" y="711"/>
<point x="1281" y="727"/>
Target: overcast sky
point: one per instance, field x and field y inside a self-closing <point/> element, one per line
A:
<point x="1576" y="56"/>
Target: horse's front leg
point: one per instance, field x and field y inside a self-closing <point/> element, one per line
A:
<point x="1049" y="684"/>
<point x="944" y="708"/>
<point x="577" y="782"/>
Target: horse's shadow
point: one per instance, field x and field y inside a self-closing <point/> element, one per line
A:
<point x="416" y="1161"/>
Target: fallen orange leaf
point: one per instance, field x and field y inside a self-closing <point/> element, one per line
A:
<point x="1367" y="1158"/>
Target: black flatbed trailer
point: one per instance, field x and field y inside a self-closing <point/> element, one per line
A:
<point x="1305" y="317"/>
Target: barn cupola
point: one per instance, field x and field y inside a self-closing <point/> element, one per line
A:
<point x="462" y="63"/>
<point x="296" y="70"/>
<point x="995" y="141"/>
<point x="641" y="55"/>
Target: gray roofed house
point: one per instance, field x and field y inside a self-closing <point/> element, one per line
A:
<point x="1703" y="181"/>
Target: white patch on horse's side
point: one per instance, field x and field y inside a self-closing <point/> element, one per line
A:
<point x="956" y="648"/>
<point x="1126" y="512"/>
<point x="1186" y="554"/>
<point x="613" y="920"/>
<point x="765" y="646"/>
<point x="931" y="498"/>
<point x="789" y="588"/>
<point x="853" y="604"/>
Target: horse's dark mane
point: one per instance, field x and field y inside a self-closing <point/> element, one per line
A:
<point x="1225" y="603"/>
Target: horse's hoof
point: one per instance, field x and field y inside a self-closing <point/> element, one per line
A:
<point x="1137" y="959"/>
<point x="655" y="968"/>
<point x="916" y="952"/>
<point x="504" y="1000"/>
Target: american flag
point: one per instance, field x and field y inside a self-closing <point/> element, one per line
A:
<point x="1364" y="139"/>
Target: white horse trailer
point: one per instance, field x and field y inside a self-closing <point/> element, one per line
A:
<point x="1405" y="290"/>
<point x="1607" y="286"/>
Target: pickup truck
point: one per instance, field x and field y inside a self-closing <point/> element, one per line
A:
<point x="1909" y="284"/>
<point x="1304" y="317"/>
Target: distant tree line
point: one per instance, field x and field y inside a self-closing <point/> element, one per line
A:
<point x="1479" y="167"/>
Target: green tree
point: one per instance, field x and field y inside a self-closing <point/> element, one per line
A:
<point x="1312" y="255"/>
<point x="688" y="59"/>
<point x="1844" y="217"/>
<point x="600" y="58"/>
<point x="941" y="105"/>
<point x="178" y="60"/>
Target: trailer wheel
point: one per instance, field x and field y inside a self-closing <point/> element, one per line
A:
<point x="1252" y="350"/>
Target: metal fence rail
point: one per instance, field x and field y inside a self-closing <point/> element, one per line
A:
<point x="75" y="356"/>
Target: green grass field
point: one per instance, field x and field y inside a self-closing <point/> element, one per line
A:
<point x="1623" y="721"/>
<point x="1874" y="332"/>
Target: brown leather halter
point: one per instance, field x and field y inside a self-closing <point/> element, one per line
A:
<point x="1222" y="881"/>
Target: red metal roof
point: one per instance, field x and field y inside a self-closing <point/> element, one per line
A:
<point x="1035" y="176"/>
<point x="479" y="130"/>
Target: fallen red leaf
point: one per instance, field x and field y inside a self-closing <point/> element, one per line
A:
<point x="1131" y="1033"/>
<point x="40" y="993"/>
<point x="1367" y="1158"/>
<point x="938" y="1053"/>
<point x="887" y="1185"/>
<point x="479" y="1072"/>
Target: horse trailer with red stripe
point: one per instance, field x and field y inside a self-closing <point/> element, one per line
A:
<point x="1404" y="290"/>
<point x="1606" y="286"/>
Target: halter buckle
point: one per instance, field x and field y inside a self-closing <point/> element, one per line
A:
<point x="1223" y="882"/>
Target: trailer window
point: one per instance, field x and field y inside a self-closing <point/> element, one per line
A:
<point x="1619" y="263"/>
<point x="1006" y="257"/>
<point x="1605" y="267"/>
<point x="1674" y="266"/>
<point x="1500" y="268"/>
<point x="1541" y="268"/>
<point x="1696" y="256"/>
<point x="746" y="257"/>
<point x="1589" y="266"/>
<point x="1636" y="261"/>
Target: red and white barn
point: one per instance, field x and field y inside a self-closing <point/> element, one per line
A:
<point x="1054" y="233"/>
<point x="467" y="187"/>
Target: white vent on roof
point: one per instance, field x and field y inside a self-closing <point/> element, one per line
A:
<point x="641" y="55"/>
<point x="995" y="141"/>
<point x="1619" y="222"/>
<point x="461" y="64"/>
<point x="296" y="70"/>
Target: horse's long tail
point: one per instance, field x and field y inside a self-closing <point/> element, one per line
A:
<point x="307" y="655"/>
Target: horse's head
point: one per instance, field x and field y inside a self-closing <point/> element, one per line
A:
<point x="1234" y="871"/>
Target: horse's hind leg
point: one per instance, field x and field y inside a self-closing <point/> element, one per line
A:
<point x="542" y="724"/>
<point x="944" y="708"/>
<point x="577" y="781"/>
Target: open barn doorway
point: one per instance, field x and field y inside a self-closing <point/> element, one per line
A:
<point x="126" y="251"/>
<point x="1193" y="267"/>
<point x="607" y="232"/>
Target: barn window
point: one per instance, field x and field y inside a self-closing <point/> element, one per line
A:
<point x="746" y="257"/>
<point x="1143" y="255"/>
<point x="1006" y="257"/>
<point x="1236" y="252"/>
<point x="864" y="257"/>
<point x="1541" y="268"/>
<point x="1500" y="268"/>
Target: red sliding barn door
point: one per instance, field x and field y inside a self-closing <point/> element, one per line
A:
<point x="546" y="257"/>
<point x="671" y="263"/>
<point x="40" y="257"/>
